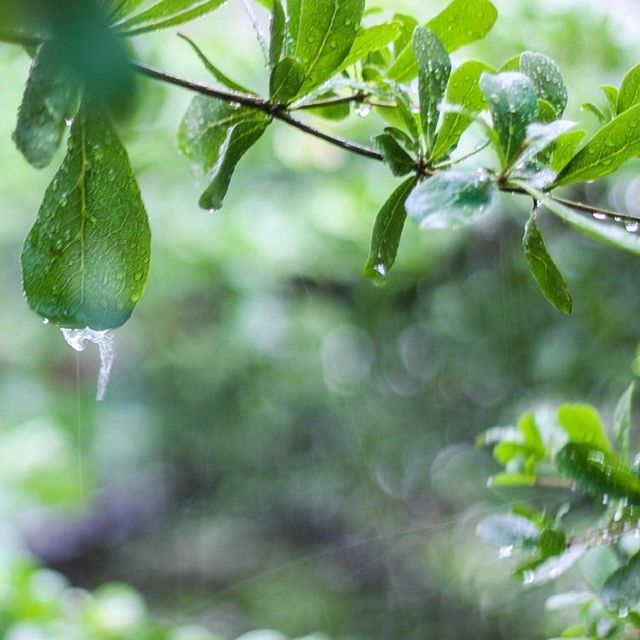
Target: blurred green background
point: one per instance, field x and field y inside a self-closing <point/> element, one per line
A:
<point x="283" y="445"/>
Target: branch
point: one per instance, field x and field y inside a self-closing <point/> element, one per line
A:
<point x="357" y="98"/>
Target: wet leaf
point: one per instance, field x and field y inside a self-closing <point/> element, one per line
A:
<point x="215" y="135"/>
<point x="451" y="199"/>
<point x="286" y="79"/>
<point x="598" y="472"/>
<point x="547" y="79"/>
<point x="49" y="99"/>
<point x="434" y="68"/>
<point x="514" y="106"/>
<point x="554" y="566"/>
<point x="464" y="91"/>
<point x="278" y="32"/>
<point x="370" y="40"/>
<point x="549" y="279"/>
<point x="462" y="22"/>
<point x="387" y="232"/>
<point x="85" y="261"/>
<point x="564" y="149"/>
<point x="607" y="151"/>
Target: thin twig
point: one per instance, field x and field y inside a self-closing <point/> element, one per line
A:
<point x="357" y="98"/>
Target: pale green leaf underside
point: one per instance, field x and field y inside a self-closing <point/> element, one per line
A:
<point x="85" y="261"/>
<point x="615" y="236"/>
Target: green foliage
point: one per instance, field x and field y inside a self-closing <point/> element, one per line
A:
<point x="85" y="261"/>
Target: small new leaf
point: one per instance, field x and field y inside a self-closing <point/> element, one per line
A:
<point x="544" y="270"/>
<point x="434" y="69"/>
<point x="85" y="261"/>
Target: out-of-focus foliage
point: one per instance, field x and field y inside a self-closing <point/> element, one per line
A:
<point x="284" y="446"/>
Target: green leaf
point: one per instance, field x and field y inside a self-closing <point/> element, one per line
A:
<point x="629" y="94"/>
<point x="434" y="69"/>
<point x="612" y="95"/>
<point x="598" y="472"/>
<point x="622" y="589"/>
<point x="286" y="79"/>
<point x="278" y="33"/>
<point x="514" y="105"/>
<point x="450" y="199"/>
<point x="547" y="79"/>
<point x="463" y="90"/>
<point x="124" y="8"/>
<point x="396" y="158"/>
<point x="370" y="40"/>
<point x="552" y="542"/>
<point x="607" y="151"/>
<point x="544" y="270"/>
<point x="607" y="233"/>
<point x="323" y="33"/>
<point x="462" y="22"/>
<point x="512" y="480"/>
<point x="508" y="530"/>
<point x="387" y="232"/>
<point x="86" y="259"/>
<point x="49" y="99"/>
<point x="596" y="111"/>
<point x="408" y="26"/>
<point x="622" y="422"/>
<point x="598" y="564"/>
<point x="564" y="149"/>
<point x="215" y="135"/>
<point x="553" y="567"/>
<point x="165" y="14"/>
<point x="582" y="423"/>
<point x="213" y="70"/>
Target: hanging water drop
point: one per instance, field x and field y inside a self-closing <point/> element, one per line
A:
<point x="600" y="216"/>
<point x="76" y="339"/>
<point x="632" y="225"/>
<point x="363" y="110"/>
<point x="505" y="552"/>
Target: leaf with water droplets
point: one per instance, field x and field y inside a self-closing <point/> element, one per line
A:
<point x="320" y="36"/>
<point x="165" y="14"/>
<point x="49" y="100"/>
<point x="610" y="234"/>
<point x="463" y="91"/>
<point x="395" y="156"/>
<point x="622" y="422"/>
<point x="215" y="135"/>
<point x="462" y="22"/>
<point x="547" y="79"/>
<point x="544" y="270"/>
<point x="582" y="423"/>
<point x="598" y="472"/>
<point x="85" y="261"/>
<point x="278" y="31"/>
<point x="564" y="148"/>
<point x="607" y="151"/>
<point x="387" y="232"/>
<point x="451" y="199"/>
<point x="622" y="589"/>
<point x="629" y="94"/>
<point x="508" y="530"/>
<point x="434" y="69"/>
<point x="514" y="106"/>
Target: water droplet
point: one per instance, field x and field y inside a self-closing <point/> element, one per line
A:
<point x="528" y="577"/>
<point x="623" y="612"/>
<point x="363" y="110"/>
<point x="76" y="339"/>
<point x="45" y="321"/>
<point x="69" y="121"/>
<point x="505" y="552"/>
<point x="600" y="216"/>
<point x="632" y="225"/>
